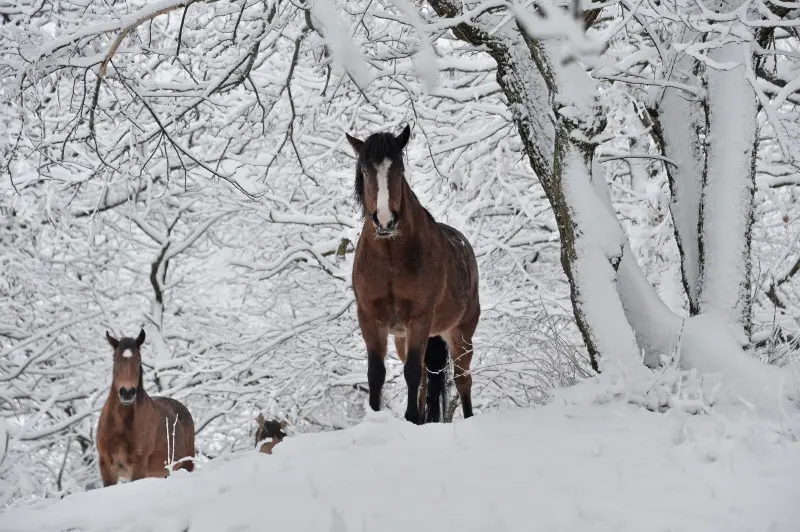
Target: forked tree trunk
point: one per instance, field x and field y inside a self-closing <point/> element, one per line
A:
<point x="679" y="127"/>
<point x="555" y="109"/>
<point x="713" y="143"/>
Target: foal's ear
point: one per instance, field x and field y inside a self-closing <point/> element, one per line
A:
<point x="403" y="137"/>
<point x="284" y="423"/>
<point x="260" y="419"/>
<point x="355" y="143"/>
<point x="111" y="340"/>
<point x="140" y="338"/>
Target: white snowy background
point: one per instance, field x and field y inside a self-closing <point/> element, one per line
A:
<point x="182" y="166"/>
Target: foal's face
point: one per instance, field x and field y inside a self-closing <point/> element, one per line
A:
<point x="127" y="367"/>
<point x="380" y="159"/>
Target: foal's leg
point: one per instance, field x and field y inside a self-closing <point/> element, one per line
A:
<point x="459" y="340"/>
<point x="375" y="340"/>
<point x="413" y="369"/>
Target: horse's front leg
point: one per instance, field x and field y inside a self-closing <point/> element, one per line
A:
<point x="108" y="472"/>
<point x="416" y="341"/>
<point x="400" y="344"/>
<point x="375" y="340"/>
<point x="138" y="468"/>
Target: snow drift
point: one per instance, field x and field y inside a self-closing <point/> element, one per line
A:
<point x="580" y="463"/>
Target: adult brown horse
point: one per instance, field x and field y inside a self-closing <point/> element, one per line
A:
<point x="138" y="435"/>
<point x="414" y="278"/>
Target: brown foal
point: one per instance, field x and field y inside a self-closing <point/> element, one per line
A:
<point x="269" y="433"/>
<point x="139" y="435"/>
<point x="413" y="278"/>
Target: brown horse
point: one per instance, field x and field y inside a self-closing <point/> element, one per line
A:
<point x="414" y="278"/>
<point x="138" y="435"/>
<point x="270" y="430"/>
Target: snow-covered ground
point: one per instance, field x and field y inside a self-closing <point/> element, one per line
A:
<point x="577" y="464"/>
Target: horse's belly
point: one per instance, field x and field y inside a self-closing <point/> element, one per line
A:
<point x="399" y="331"/>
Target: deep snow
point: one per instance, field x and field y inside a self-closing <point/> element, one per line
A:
<point x="582" y="463"/>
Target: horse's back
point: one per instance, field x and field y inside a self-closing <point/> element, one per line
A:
<point x="175" y="408"/>
<point x="463" y="252"/>
<point x="172" y="410"/>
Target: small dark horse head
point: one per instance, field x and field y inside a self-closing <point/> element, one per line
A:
<point x="127" y="367"/>
<point x="380" y="176"/>
<point x="270" y="430"/>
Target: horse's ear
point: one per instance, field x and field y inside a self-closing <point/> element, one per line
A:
<point x="111" y="340"/>
<point x="355" y="143"/>
<point x="260" y="419"/>
<point x="140" y="338"/>
<point x="403" y="137"/>
<point x="284" y="423"/>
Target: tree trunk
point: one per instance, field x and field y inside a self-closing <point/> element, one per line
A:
<point x="679" y="125"/>
<point x="726" y="210"/>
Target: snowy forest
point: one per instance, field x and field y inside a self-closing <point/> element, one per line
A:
<point x="626" y="172"/>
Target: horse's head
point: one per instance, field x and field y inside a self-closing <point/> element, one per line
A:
<point x="127" y="367"/>
<point x="379" y="179"/>
<point x="269" y="430"/>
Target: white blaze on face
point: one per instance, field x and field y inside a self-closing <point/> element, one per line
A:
<point x="384" y="213"/>
<point x="127" y="353"/>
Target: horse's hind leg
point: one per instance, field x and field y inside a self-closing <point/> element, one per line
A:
<point x="435" y="362"/>
<point x="459" y="340"/>
<point x="375" y="340"/>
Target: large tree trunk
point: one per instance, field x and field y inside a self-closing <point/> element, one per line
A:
<point x="556" y="109"/>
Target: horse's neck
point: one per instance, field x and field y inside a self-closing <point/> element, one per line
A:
<point x="417" y="219"/>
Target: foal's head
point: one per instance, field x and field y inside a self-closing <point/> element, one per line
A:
<point x="127" y="367"/>
<point x="379" y="179"/>
<point x="269" y="430"/>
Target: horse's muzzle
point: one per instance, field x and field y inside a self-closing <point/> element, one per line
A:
<point x="127" y="396"/>
<point x="385" y="233"/>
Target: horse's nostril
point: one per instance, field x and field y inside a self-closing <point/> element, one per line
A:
<point x="375" y="217"/>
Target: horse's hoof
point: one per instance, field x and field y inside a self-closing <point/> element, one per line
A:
<point x="416" y="420"/>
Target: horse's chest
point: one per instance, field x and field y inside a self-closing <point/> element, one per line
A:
<point x="121" y="455"/>
<point x="125" y="444"/>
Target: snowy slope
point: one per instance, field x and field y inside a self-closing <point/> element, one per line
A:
<point x="574" y="465"/>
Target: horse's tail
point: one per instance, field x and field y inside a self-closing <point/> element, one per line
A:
<point x="436" y="362"/>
